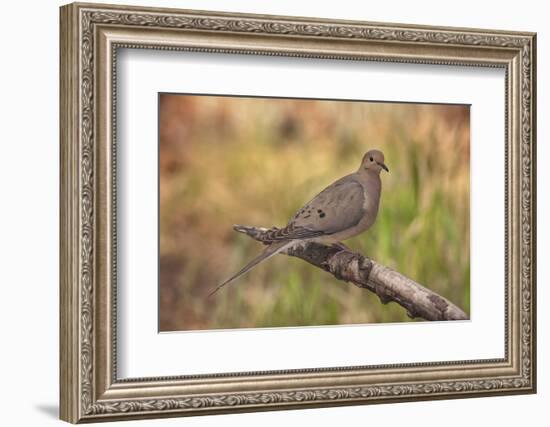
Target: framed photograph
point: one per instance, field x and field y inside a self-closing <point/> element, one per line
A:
<point x="266" y="212"/>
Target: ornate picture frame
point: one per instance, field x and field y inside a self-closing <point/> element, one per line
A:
<point x="90" y="37"/>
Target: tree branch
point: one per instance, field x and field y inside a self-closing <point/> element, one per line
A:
<point x="387" y="284"/>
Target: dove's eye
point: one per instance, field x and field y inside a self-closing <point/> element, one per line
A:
<point x="371" y="159"/>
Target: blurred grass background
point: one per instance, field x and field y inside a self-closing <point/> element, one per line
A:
<point x="255" y="161"/>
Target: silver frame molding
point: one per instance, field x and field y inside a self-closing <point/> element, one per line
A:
<point x="90" y="37"/>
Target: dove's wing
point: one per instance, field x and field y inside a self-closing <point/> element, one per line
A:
<point x="338" y="207"/>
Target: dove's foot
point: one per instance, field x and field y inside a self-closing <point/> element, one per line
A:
<point x="341" y="247"/>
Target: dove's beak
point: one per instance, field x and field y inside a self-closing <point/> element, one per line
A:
<point x="383" y="166"/>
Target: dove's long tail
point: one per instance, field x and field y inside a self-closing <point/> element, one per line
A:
<point x="272" y="249"/>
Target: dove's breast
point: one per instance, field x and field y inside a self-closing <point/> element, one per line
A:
<point x="370" y="207"/>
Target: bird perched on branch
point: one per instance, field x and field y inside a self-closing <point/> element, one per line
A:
<point x="344" y="209"/>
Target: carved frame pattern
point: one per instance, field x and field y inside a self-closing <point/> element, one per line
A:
<point x="80" y="401"/>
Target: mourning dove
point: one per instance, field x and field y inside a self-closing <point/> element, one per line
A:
<point x="343" y="210"/>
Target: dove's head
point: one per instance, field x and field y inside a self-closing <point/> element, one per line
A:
<point x="374" y="161"/>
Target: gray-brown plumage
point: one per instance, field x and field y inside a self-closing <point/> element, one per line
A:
<point x="343" y="210"/>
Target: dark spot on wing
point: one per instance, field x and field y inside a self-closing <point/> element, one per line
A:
<point x="322" y="215"/>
